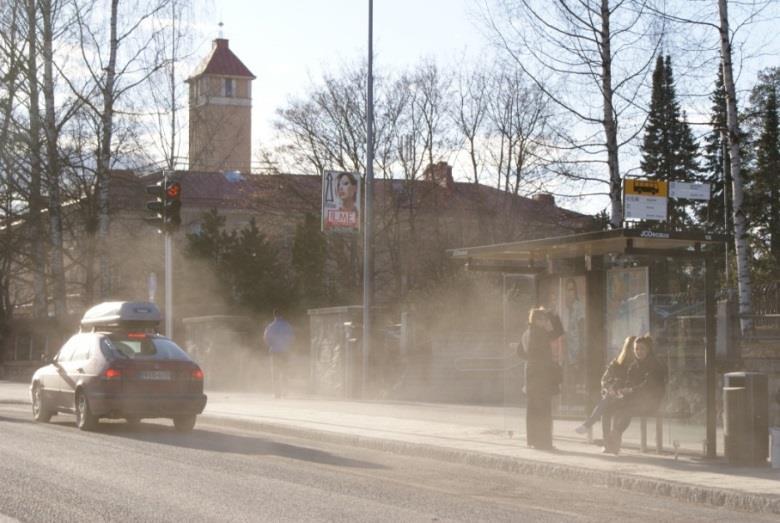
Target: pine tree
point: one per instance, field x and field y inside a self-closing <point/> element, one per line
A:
<point x="717" y="162"/>
<point x="244" y="263"/>
<point x="764" y="205"/>
<point x="309" y="253"/>
<point x="669" y="151"/>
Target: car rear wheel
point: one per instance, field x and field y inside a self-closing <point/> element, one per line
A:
<point x="41" y="412"/>
<point x="184" y="423"/>
<point x="85" y="420"/>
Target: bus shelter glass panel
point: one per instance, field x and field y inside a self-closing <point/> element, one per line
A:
<point x="679" y="332"/>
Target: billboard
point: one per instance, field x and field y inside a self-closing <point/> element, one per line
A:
<point x="340" y="201"/>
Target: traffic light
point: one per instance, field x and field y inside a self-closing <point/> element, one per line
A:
<point x="166" y="205"/>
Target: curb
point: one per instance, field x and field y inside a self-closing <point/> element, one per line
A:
<point x="676" y="490"/>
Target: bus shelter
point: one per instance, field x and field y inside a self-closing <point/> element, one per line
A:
<point x="600" y="284"/>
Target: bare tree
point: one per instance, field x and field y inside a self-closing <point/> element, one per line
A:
<point x="740" y="229"/>
<point x="100" y="50"/>
<point x="163" y="124"/>
<point x="469" y="114"/>
<point x="575" y="52"/>
<point x="11" y="46"/>
<point x="35" y="196"/>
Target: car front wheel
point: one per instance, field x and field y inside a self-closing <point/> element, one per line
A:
<point x="41" y="412"/>
<point x="184" y="423"/>
<point x="85" y="420"/>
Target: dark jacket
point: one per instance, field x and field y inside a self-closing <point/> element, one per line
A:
<point x="615" y="377"/>
<point x="543" y="375"/>
<point x="647" y="384"/>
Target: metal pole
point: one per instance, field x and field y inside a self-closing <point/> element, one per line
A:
<point x="709" y="354"/>
<point x="168" y="286"/>
<point x="369" y="193"/>
<point x="168" y="273"/>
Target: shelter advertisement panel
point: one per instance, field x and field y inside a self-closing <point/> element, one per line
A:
<point x="572" y="313"/>
<point x="628" y="306"/>
<point x="340" y="201"/>
<point x="566" y="297"/>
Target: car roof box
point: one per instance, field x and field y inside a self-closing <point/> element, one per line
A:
<point x="122" y="314"/>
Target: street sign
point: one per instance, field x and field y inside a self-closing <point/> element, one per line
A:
<point x="638" y="187"/>
<point x="645" y="199"/>
<point x="645" y="208"/>
<point x="690" y="191"/>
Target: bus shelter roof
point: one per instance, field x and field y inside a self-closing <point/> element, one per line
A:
<point x="628" y="242"/>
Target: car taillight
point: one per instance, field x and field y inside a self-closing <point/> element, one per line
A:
<point x="197" y="374"/>
<point x="112" y="374"/>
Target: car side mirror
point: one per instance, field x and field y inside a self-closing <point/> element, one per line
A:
<point x="46" y="358"/>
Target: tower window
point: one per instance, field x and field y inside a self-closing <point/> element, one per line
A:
<point x="229" y="87"/>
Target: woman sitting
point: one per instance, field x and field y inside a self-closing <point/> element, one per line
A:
<point x="646" y="388"/>
<point x="614" y="379"/>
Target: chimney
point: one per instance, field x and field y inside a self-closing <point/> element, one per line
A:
<point x="544" y="198"/>
<point x="440" y="174"/>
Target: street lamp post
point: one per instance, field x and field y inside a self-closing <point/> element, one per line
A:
<point x="369" y="193"/>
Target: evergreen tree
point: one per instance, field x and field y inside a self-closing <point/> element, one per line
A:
<point x="244" y="262"/>
<point x="212" y="244"/>
<point x="717" y="162"/>
<point x="765" y="190"/>
<point x="669" y="151"/>
<point x="309" y="252"/>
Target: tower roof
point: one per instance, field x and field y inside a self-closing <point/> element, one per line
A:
<point x="222" y="61"/>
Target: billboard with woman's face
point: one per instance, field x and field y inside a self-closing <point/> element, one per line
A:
<point x="340" y="201"/>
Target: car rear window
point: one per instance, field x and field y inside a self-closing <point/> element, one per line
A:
<point x="146" y="348"/>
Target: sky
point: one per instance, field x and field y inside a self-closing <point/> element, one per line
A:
<point x="287" y="43"/>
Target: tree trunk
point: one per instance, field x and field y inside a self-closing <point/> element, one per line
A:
<point x="610" y="125"/>
<point x="35" y="222"/>
<point x="740" y="240"/>
<point x="104" y="158"/>
<point x="53" y="167"/>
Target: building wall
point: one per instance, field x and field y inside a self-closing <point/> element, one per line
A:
<point x="220" y="125"/>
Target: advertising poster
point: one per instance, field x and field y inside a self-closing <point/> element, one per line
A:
<point x="572" y="314"/>
<point x="550" y="299"/>
<point x="628" y="306"/>
<point x="340" y="201"/>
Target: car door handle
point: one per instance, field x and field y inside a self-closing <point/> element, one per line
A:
<point x="80" y="370"/>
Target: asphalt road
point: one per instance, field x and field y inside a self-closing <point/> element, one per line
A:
<point x="53" y="472"/>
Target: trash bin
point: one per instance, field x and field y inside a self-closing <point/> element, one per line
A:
<point x="746" y="418"/>
<point x="775" y="447"/>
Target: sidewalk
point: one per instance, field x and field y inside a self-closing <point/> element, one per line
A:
<point x="481" y="436"/>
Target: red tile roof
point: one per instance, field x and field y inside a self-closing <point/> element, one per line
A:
<point x="222" y="61"/>
<point x="284" y="193"/>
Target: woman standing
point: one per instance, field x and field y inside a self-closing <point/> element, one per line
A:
<point x="542" y="379"/>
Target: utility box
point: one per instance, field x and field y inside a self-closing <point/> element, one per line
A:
<point x="746" y="417"/>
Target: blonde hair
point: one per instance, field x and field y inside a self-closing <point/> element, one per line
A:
<point x="626" y="351"/>
<point x="536" y="314"/>
<point x="645" y="340"/>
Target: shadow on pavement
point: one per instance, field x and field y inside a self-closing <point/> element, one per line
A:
<point x="229" y="443"/>
<point x="4" y="419"/>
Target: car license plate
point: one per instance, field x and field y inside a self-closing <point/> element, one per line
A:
<point x="155" y="375"/>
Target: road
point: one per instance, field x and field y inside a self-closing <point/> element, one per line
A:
<point x="53" y="472"/>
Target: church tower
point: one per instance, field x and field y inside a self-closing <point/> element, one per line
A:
<point x="221" y="113"/>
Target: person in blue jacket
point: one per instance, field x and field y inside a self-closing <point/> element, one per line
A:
<point x="279" y="337"/>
